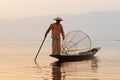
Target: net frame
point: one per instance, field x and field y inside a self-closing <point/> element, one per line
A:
<point x="66" y="51"/>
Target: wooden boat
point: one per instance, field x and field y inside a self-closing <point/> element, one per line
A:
<point x="81" y="56"/>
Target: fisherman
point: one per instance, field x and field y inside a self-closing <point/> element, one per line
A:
<point x="57" y="31"/>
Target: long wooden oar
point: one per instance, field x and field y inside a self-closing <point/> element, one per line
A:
<point x="39" y="49"/>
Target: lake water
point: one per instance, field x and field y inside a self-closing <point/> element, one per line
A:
<point x="17" y="63"/>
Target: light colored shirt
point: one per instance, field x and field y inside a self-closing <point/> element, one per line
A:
<point x="57" y="29"/>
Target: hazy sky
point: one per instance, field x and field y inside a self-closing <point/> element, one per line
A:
<point x="11" y="9"/>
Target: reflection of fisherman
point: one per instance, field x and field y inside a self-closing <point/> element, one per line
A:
<point x="57" y="72"/>
<point x="57" y="29"/>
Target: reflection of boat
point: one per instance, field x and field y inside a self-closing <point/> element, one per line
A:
<point x="78" y="70"/>
<point x="81" y="56"/>
<point x="62" y="70"/>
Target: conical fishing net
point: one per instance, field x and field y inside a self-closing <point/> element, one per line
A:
<point x="75" y="42"/>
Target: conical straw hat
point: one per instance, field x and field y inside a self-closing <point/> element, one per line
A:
<point x="58" y="18"/>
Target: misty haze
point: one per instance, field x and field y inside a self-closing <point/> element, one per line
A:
<point x="98" y="25"/>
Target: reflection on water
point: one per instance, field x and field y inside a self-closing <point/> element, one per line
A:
<point x="16" y="63"/>
<point x="74" y="70"/>
<point x="78" y="70"/>
<point x="57" y="73"/>
<point x="94" y="64"/>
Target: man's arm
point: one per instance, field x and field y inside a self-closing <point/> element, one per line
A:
<point x="48" y="30"/>
<point x="62" y="32"/>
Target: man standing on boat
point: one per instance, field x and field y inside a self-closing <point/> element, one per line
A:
<point x="57" y="31"/>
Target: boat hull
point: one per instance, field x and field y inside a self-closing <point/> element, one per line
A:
<point x="81" y="56"/>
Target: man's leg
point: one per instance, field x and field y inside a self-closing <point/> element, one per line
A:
<point x="56" y="46"/>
